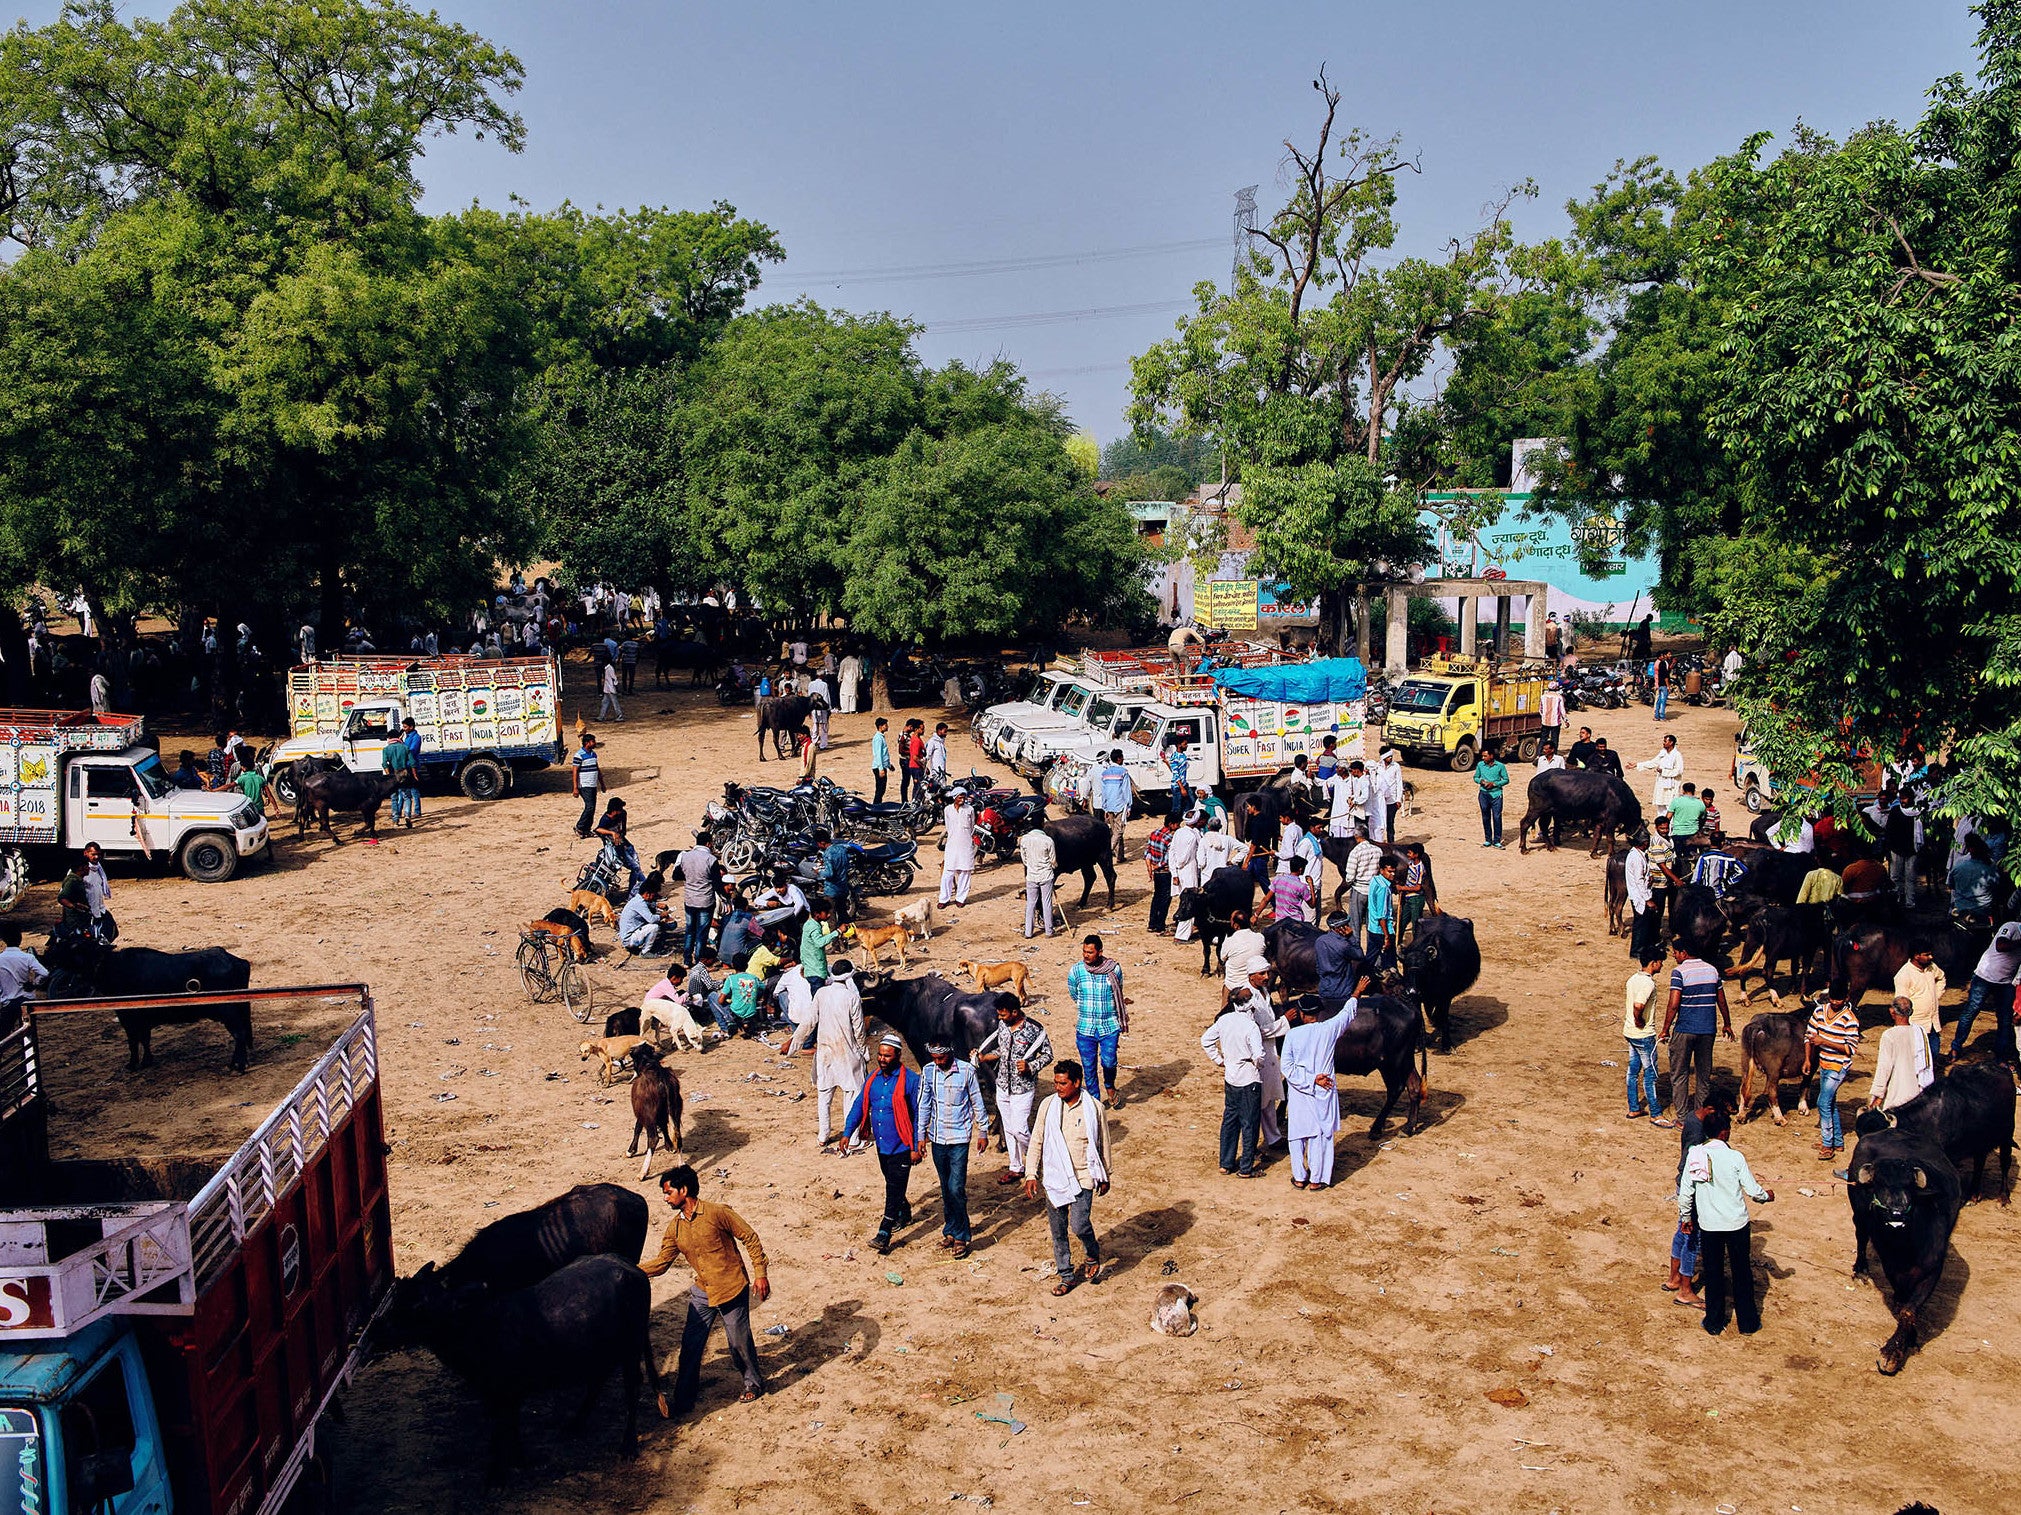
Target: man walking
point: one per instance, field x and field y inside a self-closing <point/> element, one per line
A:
<point x="1312" y="1103"/>
<point x="584" y="777"/>
<point x="880" y="760"/>
<point x="1552" y="711"/>
<point x="705" y="1236"/>
<point x="411" y="739"/>
<point x="957" y="865"/>
<point x="1697" y="1012"/>
<point x="1156" y="848"/>
<point x="1712" y="1200"/>
<point x="1641" y="900"/>
<point x="1183" y="856"/>
<point x="1069" y="1159"/>
<point x="1041" y="860"/>
<point x="1117" y="791"/>
<point x="1921" y="982"/>
<point x="841" y="1060"/>
<point x="1491" y="778"/>
<point x="1904" y="1068"/>
<point x="911" y="758"/>
<point x="883" y="1115"/>
<point x="1993" y="980"/>
<point x="628" y="663"/>
<point x="1235" y="1046"/>
<point x="1101" y="1016"/>
<point x="951" y="1112"/>
<point x="1022" y="1052"/>
<point x="397" y="763"/>
<point x="1831" y="1039"/>
<point x="1638" y="1025"/>
<point x="1669" y="766"/>
<point x="610" y="709"/>
<point x="821" y="702"/>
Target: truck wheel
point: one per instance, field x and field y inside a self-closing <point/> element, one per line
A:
<point x="1463" y="758"/>
<point x="209" y="858"/>
<point x="482" y="779"/>
<point x="1755" y="803"/>
<point x="1527" y="752"/>
<point x="13" y="878"/>
<point x="284" y="787"/>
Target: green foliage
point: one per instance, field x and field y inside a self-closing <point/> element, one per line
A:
<point x="1152" y="448"/>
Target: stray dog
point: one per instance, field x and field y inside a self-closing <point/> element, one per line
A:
<point x="568" y="928"/>
<point x="592" y="906"/>
<point x="989" y="975"/>
<point x="871" y="938"/>
<point x="613" y="1051"/>
<point x="916" y="917"/>
<point x="668" y="1020"/>
<point x="1172" y="1315"/>
<point x="622" y="1023"/>
<point x="656" y="1105"/>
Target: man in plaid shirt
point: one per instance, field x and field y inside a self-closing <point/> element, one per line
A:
<point x="1022" y="1052"/>
<point x="1100" y="1017"/>
<point x="1157" y="850"/>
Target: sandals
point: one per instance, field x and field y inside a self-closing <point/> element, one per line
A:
<point x="1091" y="1272"/>
<point x="959" y="1250"/>
<point x="1065" y="1286"/>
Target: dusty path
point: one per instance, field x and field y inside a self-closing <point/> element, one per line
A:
<point x="1349" y="1339"/>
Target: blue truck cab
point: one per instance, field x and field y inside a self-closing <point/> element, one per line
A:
<point x="78" y="1430"/>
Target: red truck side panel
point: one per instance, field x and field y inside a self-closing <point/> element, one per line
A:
<point x="271" y="1332"/>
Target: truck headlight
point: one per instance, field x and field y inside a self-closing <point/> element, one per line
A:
<point x="245" y="818"/>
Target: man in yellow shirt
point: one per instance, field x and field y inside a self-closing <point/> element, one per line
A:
<point x="1820" y="887"/>
<point x="1921" y="982"/>
<point x="706" y="1237"/>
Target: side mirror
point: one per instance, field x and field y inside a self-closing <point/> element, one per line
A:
<point x="101" y="1476"/>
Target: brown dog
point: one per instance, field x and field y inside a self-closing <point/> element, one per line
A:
<point x="570" y="931"/>
<point x="871" y="938"/>
<point x="990" y="975"/>
<point x="613" y="1050"/>
<point x="592" y="906"/>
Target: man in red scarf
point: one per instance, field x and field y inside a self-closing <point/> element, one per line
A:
<point x="884" y="1110"/>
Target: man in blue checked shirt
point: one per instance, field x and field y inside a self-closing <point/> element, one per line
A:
<point x="1100" y="1017"/>
<point x="1178" y="763"/>
<point x="950" y="1112"/>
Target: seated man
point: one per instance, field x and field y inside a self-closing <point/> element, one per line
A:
<point x="186" y="775"/>
<point x="781" y="903"/>
<point x="639" y="924"/>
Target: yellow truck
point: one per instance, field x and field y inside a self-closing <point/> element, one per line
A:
<point x="1444" y="712"/>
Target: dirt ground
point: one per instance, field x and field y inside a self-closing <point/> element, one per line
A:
<point x="1349" y="1340"/>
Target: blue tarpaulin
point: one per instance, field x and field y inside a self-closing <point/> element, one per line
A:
<point x="1300" y="683"/>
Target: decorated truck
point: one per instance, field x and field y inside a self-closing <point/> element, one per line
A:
<point x="1450" y="706"/>
<point x="68" y="777"/>
<point x="481" y="720"/>
<point x="174" y="1330"/>
<point x="1240" y="726"/>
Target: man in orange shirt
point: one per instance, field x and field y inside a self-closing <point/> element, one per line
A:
<point x="706" y="1236"/>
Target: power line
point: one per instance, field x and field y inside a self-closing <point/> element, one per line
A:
<point x="1057" y="317"/>
<point x="1004" y="265"/>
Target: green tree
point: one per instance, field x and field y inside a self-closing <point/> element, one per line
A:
<point x="1305" y="371"/>
<point x="1151" y="448"/>
<point x="1868" y="385"/>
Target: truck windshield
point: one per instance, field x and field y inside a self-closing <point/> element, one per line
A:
<point x="1072" y="702"/>
<point x="1102" y="714"/>
<point x="1418" y="695"/>
<point x="152" y="779"/>
<point x="22" y="1473"/>
<point x="1040" y="691"/>
<point x="1144" y="732"/>
<point x="1056" y="695"/>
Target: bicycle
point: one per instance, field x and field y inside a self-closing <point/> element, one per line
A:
<point x="550" y="975"/>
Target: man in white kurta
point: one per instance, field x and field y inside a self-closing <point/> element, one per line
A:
<point x="1385" y="795"/>
<point x="1312" y="1103"/>
<point x="851" y="675"/>
<point x="841" y="1056"/>
<point x="1182" y="855"/>
<point x="1213" y="848"/>
<point x="1271" y="1027"/>
<point x="959" y="862"/>
<point x="1669" y="766"/>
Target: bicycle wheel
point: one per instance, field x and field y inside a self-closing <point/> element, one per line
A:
<point x="572" y="986"/>
<point x="533" y="974"/>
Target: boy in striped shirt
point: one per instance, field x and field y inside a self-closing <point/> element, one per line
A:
<point x="1833" y="1035"/>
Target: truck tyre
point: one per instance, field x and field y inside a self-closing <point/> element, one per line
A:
<point x="284" y="785"/>
<point x="482" y="779"/>
<point x="1463" y="757"/>
<point x="1756" y="802"/>
<point x="13" y="878"/>
<point x="1528" y="751"/>
<point x="209" y="857"/>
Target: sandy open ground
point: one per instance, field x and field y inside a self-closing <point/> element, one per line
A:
<point x="1349" y="1340"/>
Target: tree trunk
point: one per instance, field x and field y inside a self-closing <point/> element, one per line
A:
<point x="1331" y="639"/>
<point x="880" y="683"/>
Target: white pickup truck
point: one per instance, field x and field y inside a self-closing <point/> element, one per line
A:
<point x="71" y="777"/>
<point x="1002" y="729"/>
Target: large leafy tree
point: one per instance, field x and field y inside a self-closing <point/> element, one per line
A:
<point x="1305" y="371"/>
<point x="1869" y="381"/>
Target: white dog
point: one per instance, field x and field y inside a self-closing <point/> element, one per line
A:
<point x="666" y="1020"/>
<point x="916" y="918"/>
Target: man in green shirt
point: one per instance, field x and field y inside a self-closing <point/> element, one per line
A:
<point x="254" y="788"/>
<point x="397" y="762"/>
<point x="815" y="936"/>
<point x="1687" y="823"/>
<point x="1491" y="777"/>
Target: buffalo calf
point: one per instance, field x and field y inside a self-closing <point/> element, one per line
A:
<point x="656" y="1107"/>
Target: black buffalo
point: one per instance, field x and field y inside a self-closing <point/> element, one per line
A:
<point x="1869" y="955"/>
<point x="1969" y="1113"/>
<point x="1773" y="1045"/>
<point x="1772" y="877"/>
<point x="1209" y="906"/>
<point x="1442" y="962"/>
<point x="1579" y="794"/>
<point x="1387" y="1037"/>
<point x="575" y="1327"/>
<point x="520" y="1250"/>
<point x="782" y="715"/>
<point x="79" y="966"/>
<point x="1798" y="933"/>
<point x="1905" y="1196"/>
<point x="930" y="1009"/>
<point x="699" y="658"/>
<point x="319" y="794"/>
<point x="1696" y="922"/>
<point x="1081" y="845"/>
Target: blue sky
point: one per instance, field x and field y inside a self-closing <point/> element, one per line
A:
<point x="885" y="136"/>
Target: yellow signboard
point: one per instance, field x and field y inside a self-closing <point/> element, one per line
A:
<point x="1227" y="604"/>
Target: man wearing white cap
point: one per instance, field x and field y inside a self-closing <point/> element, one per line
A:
<point x="1312" y="1103"/>
<point x="1183" y="853"/>
<point x="1235" y="1046"/>
<point x="1385" y="794"/>
<point x="1271" y="1027"/>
